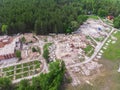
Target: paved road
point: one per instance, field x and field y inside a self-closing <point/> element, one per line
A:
<point x="97" y="49"/>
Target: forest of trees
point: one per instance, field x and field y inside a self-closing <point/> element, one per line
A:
<point x="49" y="81"/>
<point x="116" y="22"/>
<point x="51" y="16"/>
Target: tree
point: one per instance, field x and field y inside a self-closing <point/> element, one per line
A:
<point x="50" y="16"/>
<point x="36" y="83"/>
<point x="23" y="40"/>
<point x="4" y="28"/>
<point x="24" y="85"/>
<point x="68" y="30"/>
<point x="5" y="84"/>
<point x="46" y="51"/>
<point x="74" y="25"/>
<point x="53" y="80"/>
<point x="48" y="81"/>
<point x="102" y="12"/>
<point x="81" y="19"/>
<point x="18" y="54"/>
<point x="116" y="22"/>
<point x="34" y="49"/>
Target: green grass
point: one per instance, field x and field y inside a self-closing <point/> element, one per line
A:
<point x="25" y="74"/>
<point x="18" y="76"/>
<point x="19" y="66"/>
<point x="25" y="64"/>
<point x="46" y="51"/>
<point x="37" y="66"/>
<point x="30" y="63"/>
<point x="113" y="50"/>
<point x="19" y="70"/>
<point x="88" y="37"/>
<point x="25" y="69"/>
<point x="89" y="50"/>
<point x="99" y="39"/>
<point x="10" y="73"/>
<point x="10" y="70"/>
<point x="31" y="72"/>
<point x="10" y="77"/>
<point x="31" y="67"/>
<point x="93" y="16"/>
<point x="36" y="62"/>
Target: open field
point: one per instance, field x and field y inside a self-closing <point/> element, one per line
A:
<point x="109" y="79"/>
<point x="113" y="51"/>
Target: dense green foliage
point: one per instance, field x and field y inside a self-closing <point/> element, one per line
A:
<point x="5" y="84"/>
<point x="116" y="22"/>
<point x="24" y="85"/>
<point x="49" y="81"/>
<point x="87" y="49"/>
<point x="53" y="80"/>
<point x="4" y="29"/>
<point x="46" y="51"/>
<point x="51" y="16"/>
<point x="34" y="49"/>
<point x="23" y="40"/>
<point x="18" y="54"/>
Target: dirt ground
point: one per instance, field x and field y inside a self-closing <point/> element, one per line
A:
<point x="108" y="79"/>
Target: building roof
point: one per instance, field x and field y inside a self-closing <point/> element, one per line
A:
<point x="8" y="56"/>
<point x="1" y="44"/>
<point x="110" y="17"/>
<point x="5" y="41"/>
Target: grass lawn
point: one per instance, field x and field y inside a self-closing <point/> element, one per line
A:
<point x="19" y="66"/>
<point x="108" y="79"/>
<point x="113" y="50"/>
<point x="10" y="73"/>
<point x="10" y="77"/>
<point x="37" y="66"/>
<point x="25" y="69"/>
<point x="25" y="74"/>
<point x="89" y="50"/>
<point x="93" y="16"/>
<point x="18" y="76"/>
<point x="8" y="69"/>
<point x="18" y="70"/>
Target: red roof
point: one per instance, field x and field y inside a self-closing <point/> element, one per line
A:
<point x="7" y="56"/>
<point x="110" y="17"/>
<point x="3" y="42"/>
<point x="2" y="57"/>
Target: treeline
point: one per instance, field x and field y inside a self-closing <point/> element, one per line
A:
<point x="50" y="81"/>
<point x="116" y="22"/>
<point x="51" y="16"/>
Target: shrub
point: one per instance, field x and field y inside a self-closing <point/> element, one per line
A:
<point x="18" y="54"/>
